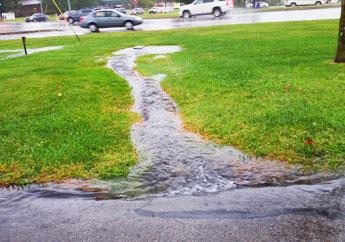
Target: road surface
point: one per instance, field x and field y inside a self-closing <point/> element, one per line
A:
<point x="235" y="17"/>
<point x="294" y="213"/>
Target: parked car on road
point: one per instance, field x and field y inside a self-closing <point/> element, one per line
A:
<point x="155" y="10"/>
<point x="66" y="14"/>
<point x="139" y="11"/>
<point x="167" y="10"/>
<point x="107" y="19"/>
<point x="294" y="3"/>
<point x="261" y="5"/>
<point x="199" y="7"/>
<point x="75" y="16"/>
<point x="37" y="17"/>
<point x="132" y="12"/>
<point x="121" y="10"/>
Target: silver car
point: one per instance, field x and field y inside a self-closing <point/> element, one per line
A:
<point x="109" y="18"/>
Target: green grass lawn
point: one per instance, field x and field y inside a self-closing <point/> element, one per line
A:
<point x="270" y="90"/>
<point x="283" y="8"/>
<point x="173" y="14"/>
<point x="52" y="17"/>
<point x="267" y="89"/>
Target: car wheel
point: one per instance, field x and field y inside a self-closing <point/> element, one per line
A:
<point x="70" y="20"/>
<point x="293" y="5"/>
<point x="318" y="3"/>
<point x="129" y="25"/>
<point x="217" y="12"/>
<point x="93" y="28"/>
<point x="186" y="15"/>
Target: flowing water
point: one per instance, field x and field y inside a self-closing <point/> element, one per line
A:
<point x="175" y="161"/>
<point x="20" y="52"/>
<point x="172" y="160"/>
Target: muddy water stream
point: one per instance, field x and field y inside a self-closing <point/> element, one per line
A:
<point x="175" y="161"/>
<point x="172" y="160"/>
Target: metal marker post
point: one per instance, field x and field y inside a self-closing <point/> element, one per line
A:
<point x="24" y="45"/>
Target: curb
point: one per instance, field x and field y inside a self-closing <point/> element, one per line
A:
<point x="30" y="31"/>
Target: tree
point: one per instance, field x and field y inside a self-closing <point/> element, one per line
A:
<point x="9" y="5"/>
<point x="76" y="4"/>
<point x="340" y="57"/>
<point x="146" y="3"/>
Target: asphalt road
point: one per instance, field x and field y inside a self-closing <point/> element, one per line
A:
<point x="295" y="213"/>
<point x="235" y="17"/>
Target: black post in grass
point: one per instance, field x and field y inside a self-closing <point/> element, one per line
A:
<point x="24" y="45"/>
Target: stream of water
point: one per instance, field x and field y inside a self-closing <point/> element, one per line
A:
<point x="172" y="160"/>
<point x="175" y="161"/>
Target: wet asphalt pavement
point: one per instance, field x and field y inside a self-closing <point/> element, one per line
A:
<point x="294" y="213"/>
<point x="234" y="17"/>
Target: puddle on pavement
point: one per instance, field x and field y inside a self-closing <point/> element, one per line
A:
<point x="20" y="52"/>
<point x="172" y="160"/>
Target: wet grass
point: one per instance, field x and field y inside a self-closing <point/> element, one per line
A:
<point x="4" y="55"/>
<point x="173" y="14"/>
<point x="63" y="115"/>
<point x="269" y="89"/>
<point x="51" y="17"/>
<point x="307" y="7"/>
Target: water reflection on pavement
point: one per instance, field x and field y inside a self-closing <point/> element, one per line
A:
<point x="234" y="17"/>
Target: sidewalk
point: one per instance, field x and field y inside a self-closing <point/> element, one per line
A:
<point x="8" y="28"/>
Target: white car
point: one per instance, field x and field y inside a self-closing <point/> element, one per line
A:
<point x="262" y="5"/>
<point x="155" y="10"/>
<point x="167" y="10"/>
<point x="294" y="3"/>
<point x="199" y="7"/>
<point x="333" y="1"/>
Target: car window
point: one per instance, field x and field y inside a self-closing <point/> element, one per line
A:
<point x="208" y="1"/>
<point x="113" y="14"/>
<point x="100" y="14"/>
<point x="199" y="2"/>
